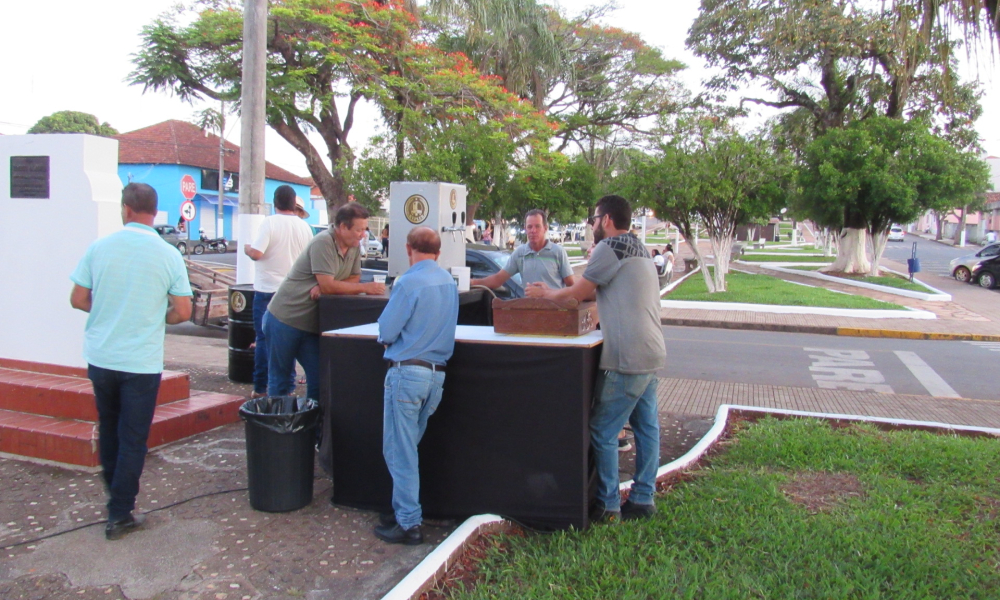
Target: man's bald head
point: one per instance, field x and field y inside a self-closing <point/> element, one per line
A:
<point x="424" y="240"/>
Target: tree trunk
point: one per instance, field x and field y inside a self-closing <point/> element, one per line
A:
<point x="937" y="225"/>
<point x="961" y="226"/>
<point x="721" y="248"/>
<point x="852" y="256"/>
<point x="878" y="247"/>
<point x="709" y="283"/>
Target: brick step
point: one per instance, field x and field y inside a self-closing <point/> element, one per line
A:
<point x="74" y="441"/>
<point x="67" y="393"/>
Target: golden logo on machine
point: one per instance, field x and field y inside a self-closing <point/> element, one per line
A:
<point x="453" y="199"/>
<point x="416" y="209"/>
<point x="238" y="301"/>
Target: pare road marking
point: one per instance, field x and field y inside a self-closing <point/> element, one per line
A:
<point x="835" y="369"/>
<point x="991" y="346"/>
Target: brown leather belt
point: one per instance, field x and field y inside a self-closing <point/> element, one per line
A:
<point x="416" y="362"/>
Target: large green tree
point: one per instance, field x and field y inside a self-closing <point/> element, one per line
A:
<point x="881" y="171"/>
<point x="711" y="174"/>
<point x="70" y="121"/>
<point x="843" y="61"/>
<point x="324" y="56"/>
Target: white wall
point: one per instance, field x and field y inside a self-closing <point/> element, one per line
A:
<point x="42" y="240"/>
<point x="994" y="163"/>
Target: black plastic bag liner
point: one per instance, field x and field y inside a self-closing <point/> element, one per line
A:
<point x="281" y="414"/>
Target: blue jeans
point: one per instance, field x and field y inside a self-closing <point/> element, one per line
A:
<point x="285" y="345"/>
<point x="620" y="398"/>
<point x="125" y="405"/>
<point x="260" y="302"/>
<point x="412" y="394"/>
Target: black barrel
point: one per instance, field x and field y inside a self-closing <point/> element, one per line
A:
<point x="241" y="333"/>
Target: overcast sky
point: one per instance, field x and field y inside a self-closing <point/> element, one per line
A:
<point x="72" y="55"/>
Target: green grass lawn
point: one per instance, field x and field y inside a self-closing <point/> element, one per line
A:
<point x="764" y="289"/>
<point x="894" y="281"/>
<point x="571" y="252"/>
<point x="778" y="258"/>
<point x="790" y="509"/>
<point x="765" y="251"/>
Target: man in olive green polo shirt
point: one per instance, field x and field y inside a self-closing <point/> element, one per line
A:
<point x="330" y="264"/>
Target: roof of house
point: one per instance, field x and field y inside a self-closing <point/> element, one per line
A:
<point x="181" y="143"/>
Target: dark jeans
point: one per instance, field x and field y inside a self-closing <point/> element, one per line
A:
<point x="125" y="405"/>
<point x="260" y="358"/>
<point x="285" y="345"/>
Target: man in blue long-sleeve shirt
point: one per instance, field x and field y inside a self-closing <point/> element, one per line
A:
<point x="417" y="328"/>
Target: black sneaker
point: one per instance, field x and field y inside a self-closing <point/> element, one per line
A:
<point x="116" y="530"/>
<point x="387" y="519"/>
<point x="632" y="511"/>
<point x="624" y="445"/>
<point x="600" y="516"/>
<point x="394" y="534"/>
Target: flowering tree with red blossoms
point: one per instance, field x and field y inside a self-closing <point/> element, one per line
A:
<point x="324" y="57"/>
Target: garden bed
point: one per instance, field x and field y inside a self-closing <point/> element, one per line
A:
<point x="783" y="508"/>
<point x="765" y="289"/>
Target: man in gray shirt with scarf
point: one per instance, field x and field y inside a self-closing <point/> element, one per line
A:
<point x="622" y="275"/>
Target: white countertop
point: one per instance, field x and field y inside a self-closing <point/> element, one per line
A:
<point x="483" y="335"/>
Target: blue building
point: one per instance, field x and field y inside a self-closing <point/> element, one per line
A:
<point x="178" y="158"/>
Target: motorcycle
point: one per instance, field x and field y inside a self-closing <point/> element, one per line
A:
<point x="217" y="244"/>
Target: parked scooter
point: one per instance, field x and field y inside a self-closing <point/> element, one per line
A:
<point x="217" y="244"/>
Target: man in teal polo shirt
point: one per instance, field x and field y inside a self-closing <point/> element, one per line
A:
<point x="538" y="261"/>
<point x="132" y="283"/>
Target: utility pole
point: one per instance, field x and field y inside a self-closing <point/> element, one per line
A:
<point x="252" y="132"/>
<point x="220" y="221"/>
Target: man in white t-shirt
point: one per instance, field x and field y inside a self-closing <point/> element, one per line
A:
<point x="280" y="240"/>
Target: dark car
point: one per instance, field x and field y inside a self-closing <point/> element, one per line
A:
<point x="987" y="272"/>
<point x="482" y="261"/>
<point x="173" y="237"/>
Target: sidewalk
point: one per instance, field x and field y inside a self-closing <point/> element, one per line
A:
<point x="216" y="547"/>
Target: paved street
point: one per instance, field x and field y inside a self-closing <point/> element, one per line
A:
<point x="934" y="256"/>
<point x="920" y="367"/>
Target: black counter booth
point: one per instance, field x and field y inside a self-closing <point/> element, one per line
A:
<point x="510" y="436"/>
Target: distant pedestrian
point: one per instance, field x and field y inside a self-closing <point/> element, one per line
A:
<point x="417" y="328"/>
<point x="132" y="284"/>
<point x="622" y="275"/>
<point x="280" y="240"/>
<point x="385" y="241"/>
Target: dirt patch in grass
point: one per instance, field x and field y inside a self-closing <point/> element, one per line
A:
<point x="822" y="491"/>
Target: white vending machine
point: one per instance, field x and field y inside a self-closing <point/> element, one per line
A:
<point x="440" y="206"/>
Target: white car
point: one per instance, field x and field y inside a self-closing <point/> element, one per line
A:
<point x="896" y="234"/>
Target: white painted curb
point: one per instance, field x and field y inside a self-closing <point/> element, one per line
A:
<point x="722" y="419"/>
<point x="440" y="559"/>
<point x="862" y="313"/>
<point x="935" y="295"/>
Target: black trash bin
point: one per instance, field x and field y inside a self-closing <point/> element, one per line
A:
<point x="281" y="438"/>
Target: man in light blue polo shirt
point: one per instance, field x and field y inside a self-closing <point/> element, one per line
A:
<point x="132" y="283"/>
<point x="417" y="327"/>
<point x="538" y="261"/>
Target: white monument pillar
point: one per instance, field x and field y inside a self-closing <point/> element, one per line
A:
<point x="58" y="193"/>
